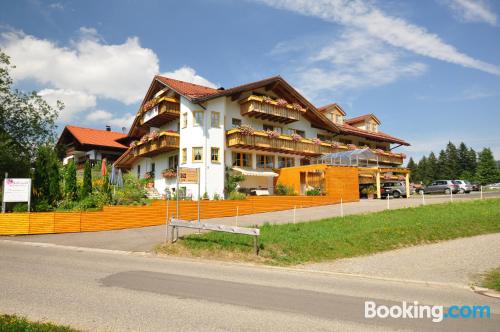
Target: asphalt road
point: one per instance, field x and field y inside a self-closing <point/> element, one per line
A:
<point x="116" y="291"/>
<point x="145" y="238"/>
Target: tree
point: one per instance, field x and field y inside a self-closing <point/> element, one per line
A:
<point x="26" y="122"/>
<point x="232" y="181"/>
<point x="441" y="168"/>
<point x="87" y="180"/>
<point x="412" y="166"/>
<point x="487" y="171"/>
<point x="422" y="170"/>
<point x="46" y="178"/>
<point x="451" y="165"/>
<point x="463" y="158"/>
<point x="70" y="186"/>
<point x="432" y="168"/>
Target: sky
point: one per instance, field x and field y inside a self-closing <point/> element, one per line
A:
<point x="429" y="70"/>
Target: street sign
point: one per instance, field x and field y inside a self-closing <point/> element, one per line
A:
<point x="188" y="175"/>
<point x="16" y="190"/>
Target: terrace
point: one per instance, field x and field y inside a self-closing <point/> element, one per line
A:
<point x="266" y="108"/>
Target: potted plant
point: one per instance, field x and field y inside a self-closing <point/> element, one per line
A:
<point x="267" y="100"/>
<point x="296" y="137"/>
<point x="351" y="147"/>
<point x="169" y="173"/>
<point x="246" y="130"/>
<point x="272" y="134"/>
<point x="282" y="102"/>
<point x="369" y="191"/>
<point x="316" y="141"/>
<point x="297" y="107"/>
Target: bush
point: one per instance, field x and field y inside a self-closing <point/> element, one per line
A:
<point x="217" y="197"/>
<point x="236" y="196"/>
<point x="20" y="207"/>
<point x="313" y="192"/>
<point x="132" y="191"/>
<point x="284" y="190"/>
<point x="43" y="206"/>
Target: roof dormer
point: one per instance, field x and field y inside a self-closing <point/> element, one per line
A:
<point x="334" y="113"/>
<point x="368" y="122"/>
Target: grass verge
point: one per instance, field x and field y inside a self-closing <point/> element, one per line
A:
<point x="491" y="279"/>
<point x="355" y="235"/>
<point x="13" y="323"/>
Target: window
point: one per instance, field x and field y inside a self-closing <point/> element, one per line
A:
<point x="153" y="166"/>
<point x="301" y="133"/>
<point x="215" y="120"/>
<point x="345" y="141"/>
<point x="214" y="155"/>
<point x="267" y="127"/>
<point x="324" y="138"/>
<point x="198" y="118"/>
<point x="184" y="155"/>
<point x="197" y="154"/>
<point x="173" y="161"/>
<point x="286" y="162"/>
<point x="184" y="120"/>
<point x="242" y="159"/>
<point x="339" y="119"/>
<point x="138" y="171"/>
<point x="264" y="161"/>
<point x="235" y="122"/>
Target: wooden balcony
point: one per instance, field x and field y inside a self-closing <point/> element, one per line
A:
<point x="390" y="159"/>
<point x="158" y="111"/>
<point x="166" y="141"/>
<point x="284" y="144"/>
<point x="254" y="106"/>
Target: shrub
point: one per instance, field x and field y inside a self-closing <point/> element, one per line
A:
<point x="70" y="187"/>
<point x="236" y="196"/>
<point x="87" y="180"/>
<point x="43" y="206"/>
<point x="313" y="192"/>
<point x="131" y="192"/>
<point x="216" y="197"/>
<point x="205" y="196"/>
<point x="284" y="190"/>
<point x="20" y="207"/>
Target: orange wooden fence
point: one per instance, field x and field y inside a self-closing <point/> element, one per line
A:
<point x="121" y="217"/>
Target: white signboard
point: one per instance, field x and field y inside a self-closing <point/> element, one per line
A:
<point x="16" y="190"/>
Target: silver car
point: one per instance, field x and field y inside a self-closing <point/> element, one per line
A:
<point x="440" y="186"/>
<point x="396" y="189"/>
<point x="464" y="187"/>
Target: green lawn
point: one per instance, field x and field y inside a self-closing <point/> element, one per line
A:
<point x="355" y="235"/>
<point x="492" y="279"/>
<point x="12" y="323"/>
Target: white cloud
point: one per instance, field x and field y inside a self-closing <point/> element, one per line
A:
<point x="99" y="115"/>
<point x="120" y="71"/>
<point x="392" y="30"/>
<point x="188" y="74"/>
<point x="122" y="121"/>
<point x="74" y="101"/>
<point x="472" y="11"/>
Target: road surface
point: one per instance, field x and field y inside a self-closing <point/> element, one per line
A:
<point x="100" y="290"/>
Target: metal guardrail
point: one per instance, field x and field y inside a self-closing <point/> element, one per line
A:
<point x="175" y="224"/>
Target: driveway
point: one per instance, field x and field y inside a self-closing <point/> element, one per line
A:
<point x="145" y="238"/>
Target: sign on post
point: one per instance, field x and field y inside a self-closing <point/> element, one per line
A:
<point x="188" y="175"/>
<point x="16" y="190"/>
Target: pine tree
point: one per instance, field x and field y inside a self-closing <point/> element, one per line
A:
<point x="70" y="187"/>
<point x="472" y="161"/>
<point x="486" y="167"/>
<point x="46" y="178"/>
<point x="451" y="165"/>
<point x="422" y="170"/>
<point x="87" y="180"/>
<point x="432" y="168"/>
<point x="441" y="169"/>
<point x="463" y="158"/>
<point x="412" y="166"/>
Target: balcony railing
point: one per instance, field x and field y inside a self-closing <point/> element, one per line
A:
<point x="255" y="106"/>
<point x="166" y="141"/>
<point x="259" y="140"/>
<point x="160" y="110"/>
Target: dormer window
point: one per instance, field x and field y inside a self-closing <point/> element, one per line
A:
<point x="339" y="119"/>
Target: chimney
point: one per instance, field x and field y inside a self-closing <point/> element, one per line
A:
<point x="124" y="130"/>
<point x="108" y="128"/>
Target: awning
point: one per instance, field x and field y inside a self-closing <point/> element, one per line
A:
<point x="248" y="172"/>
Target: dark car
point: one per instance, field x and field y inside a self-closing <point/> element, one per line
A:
<point x="396" y="189"/>
<point x="441" y="186"/>
<point x="476" y="187"/>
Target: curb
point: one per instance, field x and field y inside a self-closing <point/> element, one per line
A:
<point x="486" y="292"/>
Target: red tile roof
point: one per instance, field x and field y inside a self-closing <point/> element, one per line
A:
<point x="323" y="109"/>
<point x="362" y="118"/>
<point x="98" y="137"/>
<point x="348" y="129"/>
<point x="188" y="89"/>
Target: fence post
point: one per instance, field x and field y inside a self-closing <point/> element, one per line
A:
<point x="166" y="224"/>
<point x="481" y="192"/>
<point x="237" y="214"/>
<point x="341" y="208"/>
<point x="388" y="207"/>
<point x="451" y="195"/>
<point x="256" y="245"/>
<point x="294" y="213"/>
<point x="423" y="198"/>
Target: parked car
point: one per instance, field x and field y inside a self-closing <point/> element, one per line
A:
<point x="493" y="186"/>
<point x="476" y="187"/>
<point x="440" y="186"/>
<point x="464" y="187"/>
<point x="396" y="189"/>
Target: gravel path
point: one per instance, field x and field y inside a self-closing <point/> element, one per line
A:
<point x="457" y="261"/>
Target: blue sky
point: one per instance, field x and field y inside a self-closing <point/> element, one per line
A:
<point x="430" y="70"/>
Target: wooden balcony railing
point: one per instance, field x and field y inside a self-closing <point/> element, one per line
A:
<point x="254" y="106"/>
<point x="284" y="143"/>
<point x="166" y="141"/>
<point x="158" y="111"/>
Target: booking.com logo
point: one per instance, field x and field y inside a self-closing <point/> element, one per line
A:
<point x="435" y="312"/>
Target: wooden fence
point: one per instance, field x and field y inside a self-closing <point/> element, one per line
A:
<point x="122" y="217"/>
